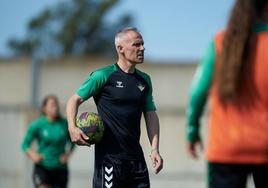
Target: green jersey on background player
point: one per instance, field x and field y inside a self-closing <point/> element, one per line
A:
<point x="50" y="131"/>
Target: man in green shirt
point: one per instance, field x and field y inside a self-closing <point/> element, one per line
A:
<point x="122" y="94"/>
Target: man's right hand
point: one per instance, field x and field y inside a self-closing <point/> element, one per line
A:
<point x="78" y="137"/>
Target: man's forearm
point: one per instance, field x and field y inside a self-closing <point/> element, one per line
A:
<point x="71" y="111"/>
<point x="155" y="142"/>
<point x="76" y="134"/>
<point x="152" y="124"/>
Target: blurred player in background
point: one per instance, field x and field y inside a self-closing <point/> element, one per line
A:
<point x="234" y="76"/>
<point x="122" y="94"/>
<point x="50" y="130"/>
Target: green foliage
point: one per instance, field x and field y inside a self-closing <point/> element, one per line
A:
<point x="75" y="27"/>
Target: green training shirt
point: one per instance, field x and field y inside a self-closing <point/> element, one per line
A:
<point x="121" y="98"/>
<point x="52" y="138"/>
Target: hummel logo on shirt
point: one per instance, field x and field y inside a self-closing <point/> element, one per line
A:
<point x="119" y="84"/>
<point x="141" y="87"/>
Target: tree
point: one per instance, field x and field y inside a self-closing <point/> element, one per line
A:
<point x="75" y="27"/>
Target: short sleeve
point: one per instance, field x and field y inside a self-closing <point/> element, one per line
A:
<point x="92" y="85"/>
<point x="150" y="105"/>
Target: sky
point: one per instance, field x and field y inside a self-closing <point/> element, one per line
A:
<point x="172" y="29"/>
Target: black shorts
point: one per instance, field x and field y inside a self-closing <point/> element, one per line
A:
<point x="235" y="175"/>
<point x="56" y="178"/>
<point x="113" y="172"/>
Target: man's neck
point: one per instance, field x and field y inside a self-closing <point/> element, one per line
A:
<point x="126" y="66"/>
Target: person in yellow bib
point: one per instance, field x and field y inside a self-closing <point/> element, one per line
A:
<point x="50" y="131"/>
<point x="233" y="76"/>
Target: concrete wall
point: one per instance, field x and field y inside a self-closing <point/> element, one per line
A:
<point x="63" y="77"/>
